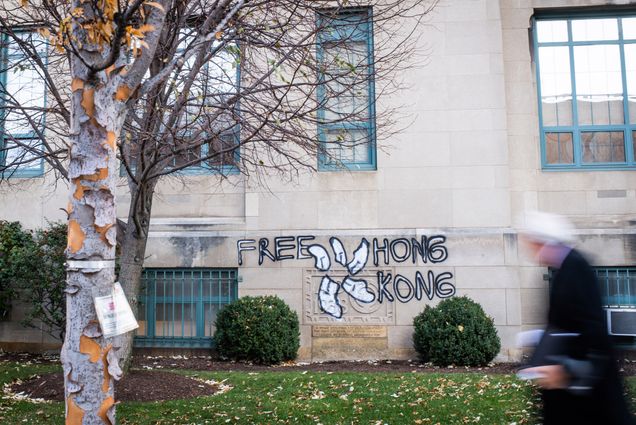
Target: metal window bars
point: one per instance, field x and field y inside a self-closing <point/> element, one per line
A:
<point x="178" y="307"/>
<point x="618" y="286"/>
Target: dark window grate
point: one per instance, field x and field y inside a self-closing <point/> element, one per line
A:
<point x="178" y="307"/>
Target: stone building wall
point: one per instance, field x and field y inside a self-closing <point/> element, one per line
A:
<point x="460" y="175"/>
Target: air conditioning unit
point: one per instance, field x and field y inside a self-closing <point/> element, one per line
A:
<point x="621" y="321"/>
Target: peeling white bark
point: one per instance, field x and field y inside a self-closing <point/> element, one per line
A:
<point x="89" y="360"/>
<point x="86" y="357"/>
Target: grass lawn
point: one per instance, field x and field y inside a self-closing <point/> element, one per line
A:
<point x="313" y="398"/>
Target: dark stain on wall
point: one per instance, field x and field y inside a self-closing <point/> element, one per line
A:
<point x="189" y="248"/>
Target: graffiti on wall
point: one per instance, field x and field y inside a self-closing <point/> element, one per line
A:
<point x="386" y="288"/>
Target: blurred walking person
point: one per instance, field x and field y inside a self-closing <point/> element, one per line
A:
<point x="582" y="386"/>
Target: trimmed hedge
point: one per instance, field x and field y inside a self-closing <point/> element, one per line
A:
<point x="257" y="329"/>
<point x="456" y="332"/>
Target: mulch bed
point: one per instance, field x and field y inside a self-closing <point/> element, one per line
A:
<point x="137" y="385"/>
<point x="208" y="363"/>
<point x="149" y="380"/>
<point x="627" y="366"/>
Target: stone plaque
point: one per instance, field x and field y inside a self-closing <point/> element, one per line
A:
<point x="348" y="331"/>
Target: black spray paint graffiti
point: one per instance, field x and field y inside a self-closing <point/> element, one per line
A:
<point x="389" y="288"/>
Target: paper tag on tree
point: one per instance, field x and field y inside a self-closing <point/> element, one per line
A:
<point x="114" y="313"/>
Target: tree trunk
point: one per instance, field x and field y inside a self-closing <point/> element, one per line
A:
<point x="133" y="251"/>
<point x="88" y="358"/>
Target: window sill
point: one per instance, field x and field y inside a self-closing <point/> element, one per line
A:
<point x="346" y="167"/>
<point x="24" y="174"/>
<point x="603" y="167"/>
<point x="199" y="171"/>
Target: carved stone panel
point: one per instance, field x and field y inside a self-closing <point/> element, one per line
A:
<point x="353" y="311"/>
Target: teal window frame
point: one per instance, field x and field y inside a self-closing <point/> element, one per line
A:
<point x="222" y="285"/>
<point x="618" y="286"/>
<point x="18" y="172"/>
<point x="355" y="24"/>
<point x="575" y="129"/>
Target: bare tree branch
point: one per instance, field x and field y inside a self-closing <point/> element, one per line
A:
<point x="156" y="89"/>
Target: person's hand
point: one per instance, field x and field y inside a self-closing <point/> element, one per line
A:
<point x="552" y="377"/>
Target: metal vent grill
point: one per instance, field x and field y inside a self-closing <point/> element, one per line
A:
<point x="621" y="322"/>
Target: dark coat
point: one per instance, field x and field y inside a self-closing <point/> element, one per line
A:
<point x="575" y="306"/>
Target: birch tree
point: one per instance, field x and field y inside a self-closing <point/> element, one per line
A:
<point x="151" y="87"/>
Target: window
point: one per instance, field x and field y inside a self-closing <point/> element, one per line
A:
<point x="586" y="72"/>
<point x="225" y="160"/>
<point x="346" y="117"/>
<point x="205" y="114"/>
<point x="178" y="307"/>
<point x="618" y="286"/>
<point x="22" y="100"/>
<point x="206" y="125"/>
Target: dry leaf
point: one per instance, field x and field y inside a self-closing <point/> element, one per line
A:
<point x="155" y="4"/>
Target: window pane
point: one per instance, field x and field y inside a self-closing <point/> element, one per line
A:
<point x="559" y="148"/>
<point x="344" y="26"/>
<point x="211" y="311"/>
<point x="222" y="73"/>
<point x="594" y="29"/>
<point x="223" y="149"/>
<point x="556" y="85"/>
<point x="163" y="287"/>
<point x="175" y="319"/>
<point x="187" y="156"/>
<point x="603" y="146"/>
<point x="347" y="102"/>
<point x="618" y="286"/>
<point x="220" y="151"/>
<point x="551" y="31"/>
<point x="629" y="287"/>
<point x="634" y="144"/>
<point x="347" y="146"/>
<point x="221" y="288"/>
<point x="611" y="292"/>
<point x="629" y="28"/>
<point x="347" y="79"/>
<point x="32" y="38"/>
<point x="20" y="155"/>
<point x="215" y="82"/>
<point x="176" y="286"/>
<point x="142" y="315"/>
<point x="24" y="89"/>
<point x="206" y="114"/>
<point x="142" y="321"/>
<point x="630" y="74"/>
<point x="599" y="87"/>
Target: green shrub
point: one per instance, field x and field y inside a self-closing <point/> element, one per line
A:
<point x="32" y="270"/>
<point x="43" y="288"/>
<point x="456" y="332"/>
<point x="258" y="329"/>
<point x="16" y="247"/>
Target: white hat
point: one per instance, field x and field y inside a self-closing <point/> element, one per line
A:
<point x="548" y="228"/>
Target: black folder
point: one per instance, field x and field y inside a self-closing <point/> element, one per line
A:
<point x="552" y="345"/>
